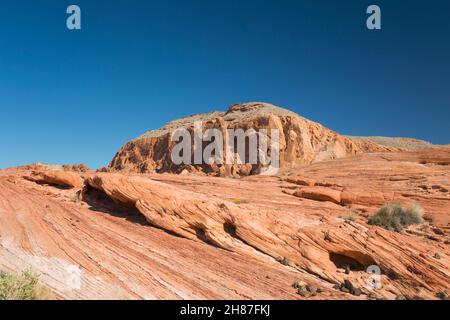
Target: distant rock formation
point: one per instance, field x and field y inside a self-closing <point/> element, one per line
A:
<point x="301" y="142"/>
<point x="402" y="143"/>
<point x="56" y="167"/>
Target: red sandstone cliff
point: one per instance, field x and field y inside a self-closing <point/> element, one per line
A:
<point x="301" y="141"/>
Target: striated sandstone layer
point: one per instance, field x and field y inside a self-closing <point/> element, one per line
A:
<point x="162" y="236"/>
<point x="301" y="142"/>
<point x="64" y="179"/>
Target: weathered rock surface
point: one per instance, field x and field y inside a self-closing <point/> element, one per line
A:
<point x="301" y="142"/>
<point x="118" y="255"/>
<point x="319" y="194"/>
<point x="165" y="236"/>
<point x="319" y="246"/>
<point x="60" y="178"/>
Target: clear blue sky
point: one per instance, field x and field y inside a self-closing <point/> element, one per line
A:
<point x="77" y="96"/>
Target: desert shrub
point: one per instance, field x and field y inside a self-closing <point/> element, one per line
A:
<point x="23" y="286"/>
<point x="392" y="216"/>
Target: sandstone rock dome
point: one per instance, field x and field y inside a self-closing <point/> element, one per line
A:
<point x="301" y="141"/>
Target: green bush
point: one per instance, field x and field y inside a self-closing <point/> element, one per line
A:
<point x="23" y="286"/>
<point x="392" y="216"/>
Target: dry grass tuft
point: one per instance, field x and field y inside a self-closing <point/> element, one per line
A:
<point x="23" y="286"/>
<point x="392" y="216"/>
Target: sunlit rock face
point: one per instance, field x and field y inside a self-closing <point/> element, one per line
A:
<point x="300" y="142"/>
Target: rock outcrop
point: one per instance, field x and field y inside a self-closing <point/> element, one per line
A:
<point x="66" y="179"/>
<point x="301" y="141"/>
<point x="317" y="246"/>
<point x="165" y="236"/>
